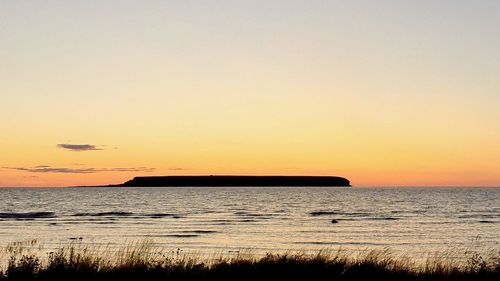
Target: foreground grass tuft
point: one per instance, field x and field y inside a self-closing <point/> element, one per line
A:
<point x="142" y="261"/>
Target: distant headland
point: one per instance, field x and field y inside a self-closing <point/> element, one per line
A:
<point x="230" y="181"/>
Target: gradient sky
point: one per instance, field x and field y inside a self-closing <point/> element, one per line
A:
<point x="386" y="93"/>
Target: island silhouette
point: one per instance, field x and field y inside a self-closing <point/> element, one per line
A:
<point x="230" y="181"/>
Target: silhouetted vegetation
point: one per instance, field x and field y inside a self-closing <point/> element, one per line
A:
<point x="142" y="262"/>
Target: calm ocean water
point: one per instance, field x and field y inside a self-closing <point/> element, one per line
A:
<point x="219" y="220"/>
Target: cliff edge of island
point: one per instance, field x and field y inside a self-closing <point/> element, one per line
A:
<point x="230" y="181"/>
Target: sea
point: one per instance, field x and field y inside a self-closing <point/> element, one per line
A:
<point x="223" y="220"/>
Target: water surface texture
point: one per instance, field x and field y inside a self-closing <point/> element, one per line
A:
<point x="209" y="220"/>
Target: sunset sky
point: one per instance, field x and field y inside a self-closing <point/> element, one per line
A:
<point x="385" y="93"/>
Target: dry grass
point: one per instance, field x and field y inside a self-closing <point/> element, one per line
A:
<point x="142" y="261"/>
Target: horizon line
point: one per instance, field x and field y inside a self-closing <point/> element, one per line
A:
<point x="352" y="186"/>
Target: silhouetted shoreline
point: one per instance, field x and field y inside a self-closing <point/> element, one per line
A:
<point x="234" y="181"/>
<point x="139" y="262"/>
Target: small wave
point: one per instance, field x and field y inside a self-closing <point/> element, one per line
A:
<point x="226" y="222"/>
<point x="113" y="214"/>
<point x="347" y="214"/>
<point x="208" y="212"/>
<point x="98" y="219"/>
<point x="479" y="216"/>
<point x="220" y="220"/>
<point x="104" y="214"/>
<point x="323" y="213"/>
<point x="384" y="218"/>
<point x="199" y="231"/>
<point x="357" y="214"/>
<point x="82" y="215"/>
<point x="178" y="235"/>
<point x="28" y="215"/>
<point x="162" y="215"/>
<point x="486" y="221"/>
<point x="247" y="214"/>
<point x="128" y="214"/>
<point x="370" y="219"/>
<point x="247" y="220"/>
<point x="87" y="221"/>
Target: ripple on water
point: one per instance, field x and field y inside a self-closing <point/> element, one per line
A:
<point x="27" y="215"/>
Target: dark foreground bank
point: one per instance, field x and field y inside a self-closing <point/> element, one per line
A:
<point x="68" y="264"/>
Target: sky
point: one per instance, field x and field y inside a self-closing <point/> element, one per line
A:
<point x="385" y="93"/>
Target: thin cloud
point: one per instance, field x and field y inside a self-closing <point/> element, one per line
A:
<point x="48" y="169"/>
<point x="79" y="147"/>
<point x="138" y="169"/>
<point x="66" y="170"/>
<point x="177" y="169"/>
